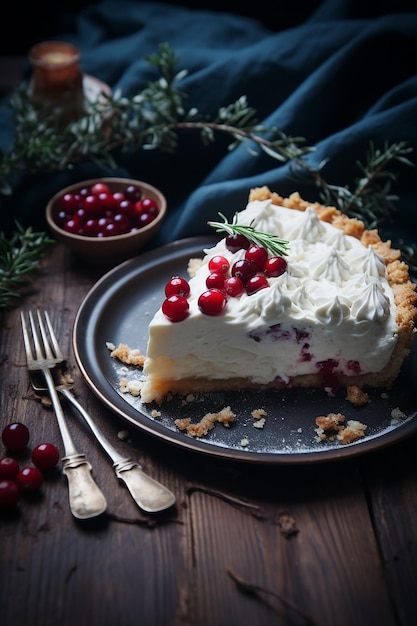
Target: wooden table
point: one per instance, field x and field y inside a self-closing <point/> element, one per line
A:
<point x="332" y="544"/>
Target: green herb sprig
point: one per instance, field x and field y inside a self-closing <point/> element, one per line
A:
<point x="278" y="247"/>
<point x="20" y="255"/>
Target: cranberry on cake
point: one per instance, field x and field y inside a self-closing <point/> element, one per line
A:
<point x="295" y="294"/>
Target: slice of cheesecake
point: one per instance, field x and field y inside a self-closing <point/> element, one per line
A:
<point x="338" y="310"/>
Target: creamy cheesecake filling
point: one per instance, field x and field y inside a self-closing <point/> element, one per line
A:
<point x="332" y="310"/>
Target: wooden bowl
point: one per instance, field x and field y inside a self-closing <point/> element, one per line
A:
<point x="113" y="249"/>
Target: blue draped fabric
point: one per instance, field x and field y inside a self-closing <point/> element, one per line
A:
<point x="343" y="77"/>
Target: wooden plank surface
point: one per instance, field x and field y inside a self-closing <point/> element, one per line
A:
<point x="222" y="556"/>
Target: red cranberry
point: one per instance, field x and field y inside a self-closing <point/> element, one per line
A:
<point x="9" y="468"/>
<point x="257" y="256"/>
<point x="45" y="455"/>
<point x="233" y="286"/>
<point x="275" y="266"/>
<point x="9" y="494"/>
<point x="99" y="188"/>
<point x="133" y="193"/>
<point x="15" y="436"/>
<point x="255" y="283"/>
<point x="212" y="302"/>
<point x="218" y="263"/>
<point x="215" y="280"/>
<point x="243" y="269"/>
<point x="177" y="286"/>
<point x="29" y="479"/>
<point x="175" y="308"/>
<point x="237" y="242"/>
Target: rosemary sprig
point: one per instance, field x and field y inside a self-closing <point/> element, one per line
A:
<point x="278" y="247"/>
<point x="19" y="256"/>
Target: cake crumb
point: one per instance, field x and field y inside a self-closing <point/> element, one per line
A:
<point x="356" y="396"/>
<point x="333" y="426"/>
<point x="287" y="525"/>
<point x="244" y="442"/>
<point x="155" y="413"/>
<point x="130" y="356"/>
<point x="331" y="421"/>
<point x="397" y="414"/>
<point x="130" y="386"/>
<point x="354" y="430"/>
<point x="201" y="428"/>
<point x="190" y="397"/>
<point x="259" y="417"/>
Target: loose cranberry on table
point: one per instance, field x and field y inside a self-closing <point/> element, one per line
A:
<point x="9" y="494"/>
<point x="9" y="468"/>
<point x="45" y="455"/>
<point x="29" y="479"/>
<point x="15" y="436"/>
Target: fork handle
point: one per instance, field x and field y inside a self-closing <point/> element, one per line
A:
<point x="150" y="495"/>
<point x="85" y="497"/>
<point x="147" y="492"/>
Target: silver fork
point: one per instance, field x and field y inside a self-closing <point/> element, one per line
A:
<point x="150" y="495"/>
<point x="85" y="497"/>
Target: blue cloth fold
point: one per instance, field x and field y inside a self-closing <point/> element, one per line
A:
<point x="342" y="78"/>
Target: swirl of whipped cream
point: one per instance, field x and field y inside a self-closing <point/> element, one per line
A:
<point x="369" y="262"/>
<point x="332" y="311"/>
<point x="375" y="264"/>
<point x="267" y="305"/>
<point x="333" y="267"/>
<point x="302" y="304"/>
<point x="312" y="229"/>
<point x="262" y="215"/>
<point x="372" y="304"/>
<point x="338" y="239"/>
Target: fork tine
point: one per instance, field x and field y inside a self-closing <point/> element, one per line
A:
<point x="26" y="340"/>
<point x="35" y="335"/>
<point x="46" y="345"/>
<point x="54" y="340"/>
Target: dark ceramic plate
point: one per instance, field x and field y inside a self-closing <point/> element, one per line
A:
<point x="118" y="310"/>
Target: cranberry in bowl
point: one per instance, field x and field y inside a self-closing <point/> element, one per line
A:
<point x="106" y="220"/>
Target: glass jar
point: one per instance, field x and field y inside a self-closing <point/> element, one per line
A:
<point x="56" y="86"/>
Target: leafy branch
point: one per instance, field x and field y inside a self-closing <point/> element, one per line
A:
<point x="19" y="257"/>
<point x="153" y="119"/>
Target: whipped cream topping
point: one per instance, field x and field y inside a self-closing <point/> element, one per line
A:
<point x="333" y="302"/>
